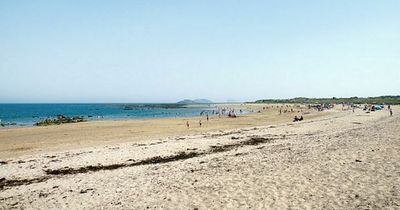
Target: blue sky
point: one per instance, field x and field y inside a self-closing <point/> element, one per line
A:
<point x="164" y="51"/>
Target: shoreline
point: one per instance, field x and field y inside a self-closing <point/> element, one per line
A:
<point x="20" y="141"/>
<point x="89" y="117"/>
<point x="122" y="119"/>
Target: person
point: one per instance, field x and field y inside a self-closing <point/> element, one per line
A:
<point x="207" y="117"/>
<point x="187" y="124"/>
<point x="391" y="112"/>
<point x="295" y="119"/>
<point x="200" y="123"/>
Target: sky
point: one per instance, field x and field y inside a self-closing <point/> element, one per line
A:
<point x="166" y="50"/>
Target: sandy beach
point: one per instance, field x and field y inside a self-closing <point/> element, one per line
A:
<point x="15" y="142"/>
<point x="199" y="105"/>
<point x="332" y="160"/>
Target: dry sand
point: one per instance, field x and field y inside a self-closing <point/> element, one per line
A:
<point x="334" y="160"/>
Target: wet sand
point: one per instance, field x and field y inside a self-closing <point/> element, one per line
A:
<point x="335" y="160"/>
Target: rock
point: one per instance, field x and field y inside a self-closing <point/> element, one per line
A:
<point x="61" y="119"/>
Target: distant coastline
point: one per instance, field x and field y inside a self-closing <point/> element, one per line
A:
<point x="354" y="100"/>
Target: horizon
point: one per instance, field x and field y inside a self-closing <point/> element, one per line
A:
<point x="213" y="102"/>
<point x="140" y="52"/>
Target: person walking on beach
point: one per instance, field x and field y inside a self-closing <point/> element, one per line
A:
<point x="207" y="117"/>
<point x="200" y="123"/>
<point x="187" y="124"/>
<point x="391" y="112"/>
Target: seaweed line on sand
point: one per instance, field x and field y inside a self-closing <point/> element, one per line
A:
<point x="52" y="173"/>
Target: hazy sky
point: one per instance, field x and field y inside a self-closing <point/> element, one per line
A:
<point x="164" y="51"/>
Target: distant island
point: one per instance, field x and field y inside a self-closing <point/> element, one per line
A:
<point x="195" y="101"/>
<point x="354" y="100"/>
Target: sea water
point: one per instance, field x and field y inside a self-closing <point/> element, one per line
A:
<point x="29" y="114"/>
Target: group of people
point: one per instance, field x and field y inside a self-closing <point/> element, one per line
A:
<point x="188" y="124"/>
<point x="231" y="112"/>
<point x="296" y="119"/>
<point x="373" y="108"/>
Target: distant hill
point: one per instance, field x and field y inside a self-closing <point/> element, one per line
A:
<point x="355" y="100"/>
<point x="195" y="101"/>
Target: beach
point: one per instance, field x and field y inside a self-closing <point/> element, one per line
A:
<point x="333" y="159"/>
<point x="15" y="142"/>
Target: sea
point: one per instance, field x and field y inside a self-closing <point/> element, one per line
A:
<point x="17" y="115"/>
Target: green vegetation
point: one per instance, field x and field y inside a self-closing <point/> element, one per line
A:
<point x="354" y="100"/>
<point x="61" y="119"/>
